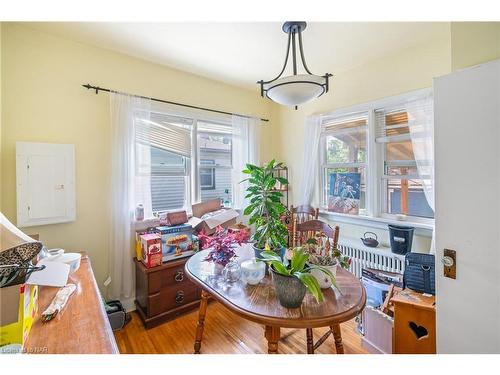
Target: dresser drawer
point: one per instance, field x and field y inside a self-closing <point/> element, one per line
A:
<point x="166" y="278"/>
<point x="172" y="297"/>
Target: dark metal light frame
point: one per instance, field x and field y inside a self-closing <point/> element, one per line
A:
<point x="294" y="29"/>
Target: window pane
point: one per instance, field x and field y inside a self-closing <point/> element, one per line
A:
<point x="401" y="171"/>
<point x="348" y="205"/>
<point x="407" y="197"/>
<point x="215" y="150"/>
<point x="399" y="151"/>
<point x="168" y="192"/>
<point x="347" y="147"/>
<point x="215" y="147"/>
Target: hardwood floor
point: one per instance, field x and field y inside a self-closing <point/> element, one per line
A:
<point x="225" y="333"/>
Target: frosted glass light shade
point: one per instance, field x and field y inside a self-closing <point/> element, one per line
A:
<point x="296" y="90"/>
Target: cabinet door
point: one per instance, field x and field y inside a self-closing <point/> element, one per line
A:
<point x="45" y="183"/>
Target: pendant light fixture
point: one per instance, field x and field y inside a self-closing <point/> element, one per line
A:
<point x="298" y="88"/>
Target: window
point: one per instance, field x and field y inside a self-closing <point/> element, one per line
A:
<point x="345" y="141"/>
<point x="215" y="152"/>
<point x="166" y="158"/>
<point x="207" y="174"/>
<point x="368" y="166"/>
<point x="401" y="186"/>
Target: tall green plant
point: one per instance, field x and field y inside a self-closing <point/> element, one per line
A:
<point x="265" y="208"/>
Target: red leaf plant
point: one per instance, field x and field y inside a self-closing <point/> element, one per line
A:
<point x="221" y="244"/>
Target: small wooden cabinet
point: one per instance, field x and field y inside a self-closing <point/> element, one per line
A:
<point x="162" y="293"/>
<point x="414" y="323"/>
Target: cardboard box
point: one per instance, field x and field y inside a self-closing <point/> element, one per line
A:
<point x="208" y="215"/>
<point x="151" y="249"/>
<point x="177" y="241"/>
<point x="19" y="304"/>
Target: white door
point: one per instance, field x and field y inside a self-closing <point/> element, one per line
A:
<point x="467" y="173"/>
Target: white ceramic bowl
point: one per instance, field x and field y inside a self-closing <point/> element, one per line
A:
<point x="72" y="259"/>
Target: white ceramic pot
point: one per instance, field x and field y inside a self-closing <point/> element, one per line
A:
<point x="253" y="271"/>
<point x="324" y="280"/>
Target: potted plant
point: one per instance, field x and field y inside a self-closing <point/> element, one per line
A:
<point x="323" y="254"/>
<point x="221" y="245"/>
<point x="265" y="208"/>
<point x="291" y="278"/>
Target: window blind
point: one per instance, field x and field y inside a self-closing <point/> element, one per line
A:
<point x="391" y="126"/>
<point x="345" y="124"/>
<point x="166" y="133"/>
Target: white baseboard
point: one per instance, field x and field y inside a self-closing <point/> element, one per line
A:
<point x="128" y="304"/>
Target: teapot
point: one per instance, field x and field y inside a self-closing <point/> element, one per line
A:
<point x="371" y="241"/>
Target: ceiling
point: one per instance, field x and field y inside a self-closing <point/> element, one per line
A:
<point x="243" y="53"/>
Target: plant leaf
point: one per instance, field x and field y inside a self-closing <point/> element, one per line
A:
<point x="299" y="259"/>
<point x="311" y="284"/>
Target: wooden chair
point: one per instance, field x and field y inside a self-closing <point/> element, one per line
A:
<point x="301" y="213"/>
<point x="304" y="213"/>
<point x="301" y="233"/>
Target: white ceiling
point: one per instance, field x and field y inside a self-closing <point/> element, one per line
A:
<point x="243" y="53"/>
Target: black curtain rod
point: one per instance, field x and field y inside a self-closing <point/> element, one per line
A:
<point x="97" y="89"/>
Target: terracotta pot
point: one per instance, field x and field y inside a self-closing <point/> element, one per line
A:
<point x="289" y="289"/>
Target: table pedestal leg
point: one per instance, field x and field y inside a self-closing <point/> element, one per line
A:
<point x="272" y="336"/>
<point x="201" y="322"/>
<point x="338" y="338"/>
<point x="310" y="342"/>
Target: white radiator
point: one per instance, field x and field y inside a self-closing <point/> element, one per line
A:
<point x="380" y="258"/>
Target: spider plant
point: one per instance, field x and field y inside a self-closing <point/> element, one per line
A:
<point x="299" y="268"/>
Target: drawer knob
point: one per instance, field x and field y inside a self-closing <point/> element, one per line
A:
<point x="179" y="276"/>
<point x="179" y="298"/>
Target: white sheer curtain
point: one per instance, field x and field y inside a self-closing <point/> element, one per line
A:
<point x="312" y="134"/>
<point x="124" y="110"/>
<point x="421" y="125"/>
<point x="246" y="142"/>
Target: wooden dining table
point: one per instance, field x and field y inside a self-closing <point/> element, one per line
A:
<point x="259" y="303"/>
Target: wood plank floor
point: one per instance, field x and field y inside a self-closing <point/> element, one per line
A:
<point x="225" y="333"/>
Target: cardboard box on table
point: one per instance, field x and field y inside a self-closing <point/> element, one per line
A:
<point x="19" y="304"/>
<point x="208" y="215"/>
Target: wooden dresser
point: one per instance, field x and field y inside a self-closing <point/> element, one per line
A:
<point x="81" y="328"/>
<point x="164" y="292"/>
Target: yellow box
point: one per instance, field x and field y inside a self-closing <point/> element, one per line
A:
<point x="138" y="246"/>
<point x="18" y="307"/>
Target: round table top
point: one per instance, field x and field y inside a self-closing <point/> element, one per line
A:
<point x="260" y="304"/>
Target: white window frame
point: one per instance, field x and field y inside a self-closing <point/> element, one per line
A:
<point x="193" y="185"/>
<point x="325" y="165"/>
<point x="374" y="215"/>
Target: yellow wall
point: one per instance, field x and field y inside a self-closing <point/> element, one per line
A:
<point x="404" y="71"/>
<point x="473" y="43"/>
<point x="43" y="101"/>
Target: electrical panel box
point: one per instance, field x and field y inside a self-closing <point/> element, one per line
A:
<point x="45" y="178"/>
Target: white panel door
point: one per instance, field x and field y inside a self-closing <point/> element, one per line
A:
<point x="467" y="172"/>
<point x="45" y="183"/>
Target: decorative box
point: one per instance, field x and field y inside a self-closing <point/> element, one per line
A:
<point x="151" y="249"/>
<point x="177" y="241"/>
<point x="19" y="306"/>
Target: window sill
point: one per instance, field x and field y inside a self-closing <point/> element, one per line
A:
<point x="421" y="229"/>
